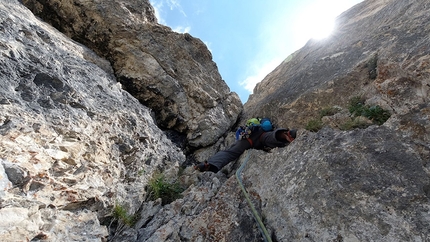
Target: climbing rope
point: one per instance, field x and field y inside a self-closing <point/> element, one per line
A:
<point x="257" y="218"/>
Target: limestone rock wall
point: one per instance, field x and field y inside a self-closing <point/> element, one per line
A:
<point x="365" y="184"/>
<point x="380" y="50"/>
<point x="360" y="185"/>
<point x="171" y="73"/>
<point x="73" y="143"/>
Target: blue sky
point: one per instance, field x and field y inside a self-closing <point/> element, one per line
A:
<point x="250" y="38"/>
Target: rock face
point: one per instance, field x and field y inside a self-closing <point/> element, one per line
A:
<point x="360" y="185"/>
<point x="212" y="210"/>
<point x="171" y="73"/>
<point x="74" y="144"/>
<point x="380" y="51"/>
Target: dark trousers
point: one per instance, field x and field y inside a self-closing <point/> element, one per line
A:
<point x="222" y="158"/>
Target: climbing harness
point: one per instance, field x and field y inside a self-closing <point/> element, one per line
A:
<point x="257" y="218"/>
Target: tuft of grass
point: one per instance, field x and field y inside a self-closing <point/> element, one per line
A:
<point x="329" y="111"/>
<point x="121" y="214"/>
<point x="314" y="125"/>
<point x="357" y="108"/>
<point x="159" y="187"/>
<point x="353" y="124"/>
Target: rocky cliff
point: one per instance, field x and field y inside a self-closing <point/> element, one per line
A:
<point x="171" y="73"/>
<point x="73" y="142"/>
<point x="341" y="184"/>
<point x="82" y="156"/>
<point x="379" y="51"/>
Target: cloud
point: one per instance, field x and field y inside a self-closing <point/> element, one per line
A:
<point x="259" y="72"/>
<point x="182" y="29"/>
<point x="158" y="8"/>
<point x="161" y="8"/>
<point x="275" y="43"/>
<point x="171" y="4"/>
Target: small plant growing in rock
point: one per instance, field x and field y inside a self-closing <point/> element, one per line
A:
<point x="314" y="125"/>
<point x="159" y="187"/>
<point x="329" y="111"/>
<point x="120" y="221"/>
<point x="377" y="114"/>
<point x="141" y="172"/>
<point x="121" y="214"/>
<point x="374" y="113"/>
<point x="361" y="115"/>
<point x="353" y="124"/>
<point x="356" y="106"/>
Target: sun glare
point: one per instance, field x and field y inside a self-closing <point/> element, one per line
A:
<point x="314" y="24"/>
<point x="317" y="21"/>
<point x="321" y="28"/>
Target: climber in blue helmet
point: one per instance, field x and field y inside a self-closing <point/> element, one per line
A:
<point x="256" y="136"/>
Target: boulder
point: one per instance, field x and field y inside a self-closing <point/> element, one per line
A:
<point x="360" y="185"/>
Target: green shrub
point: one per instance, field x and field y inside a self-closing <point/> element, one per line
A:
<point x="375" y="113"/>
<point x="120" y="213"/>
<point x="356" y="106"/>
<point x="160" y="188"/>
<point x="314" y="125"/>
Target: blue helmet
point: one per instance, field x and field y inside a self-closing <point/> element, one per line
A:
<point x="266" y="125"/>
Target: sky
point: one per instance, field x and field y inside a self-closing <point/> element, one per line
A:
<point x="249" y="38"/>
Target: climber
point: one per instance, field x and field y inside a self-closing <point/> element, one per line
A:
<point x="258" y="139"/>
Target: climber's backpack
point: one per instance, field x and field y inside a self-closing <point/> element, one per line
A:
<point x="266" y="124"/>
<point x="244" y="132"/>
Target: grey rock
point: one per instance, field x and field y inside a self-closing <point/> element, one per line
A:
<point x="361" y="185"/>
<point x="5" y="184"/>
<point x="212" y="209"/>
<point x="171" y="73"/>
<point x="74" y="144"/>
<point x="15" y="174"/>
<point x="71" y="143"/>
<point x="389" y="38"/>
<point x="358" y="185"/>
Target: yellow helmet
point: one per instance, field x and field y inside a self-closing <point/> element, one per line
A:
<point x="252" y="121"/>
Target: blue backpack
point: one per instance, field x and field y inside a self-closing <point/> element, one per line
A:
<point x="245" y="131"/>
<point x="266" y="124"/>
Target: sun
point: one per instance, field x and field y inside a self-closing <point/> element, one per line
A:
<point x="321" y="28"/>
<point x="317" y="20"/>
<point x="314" y="23"/>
